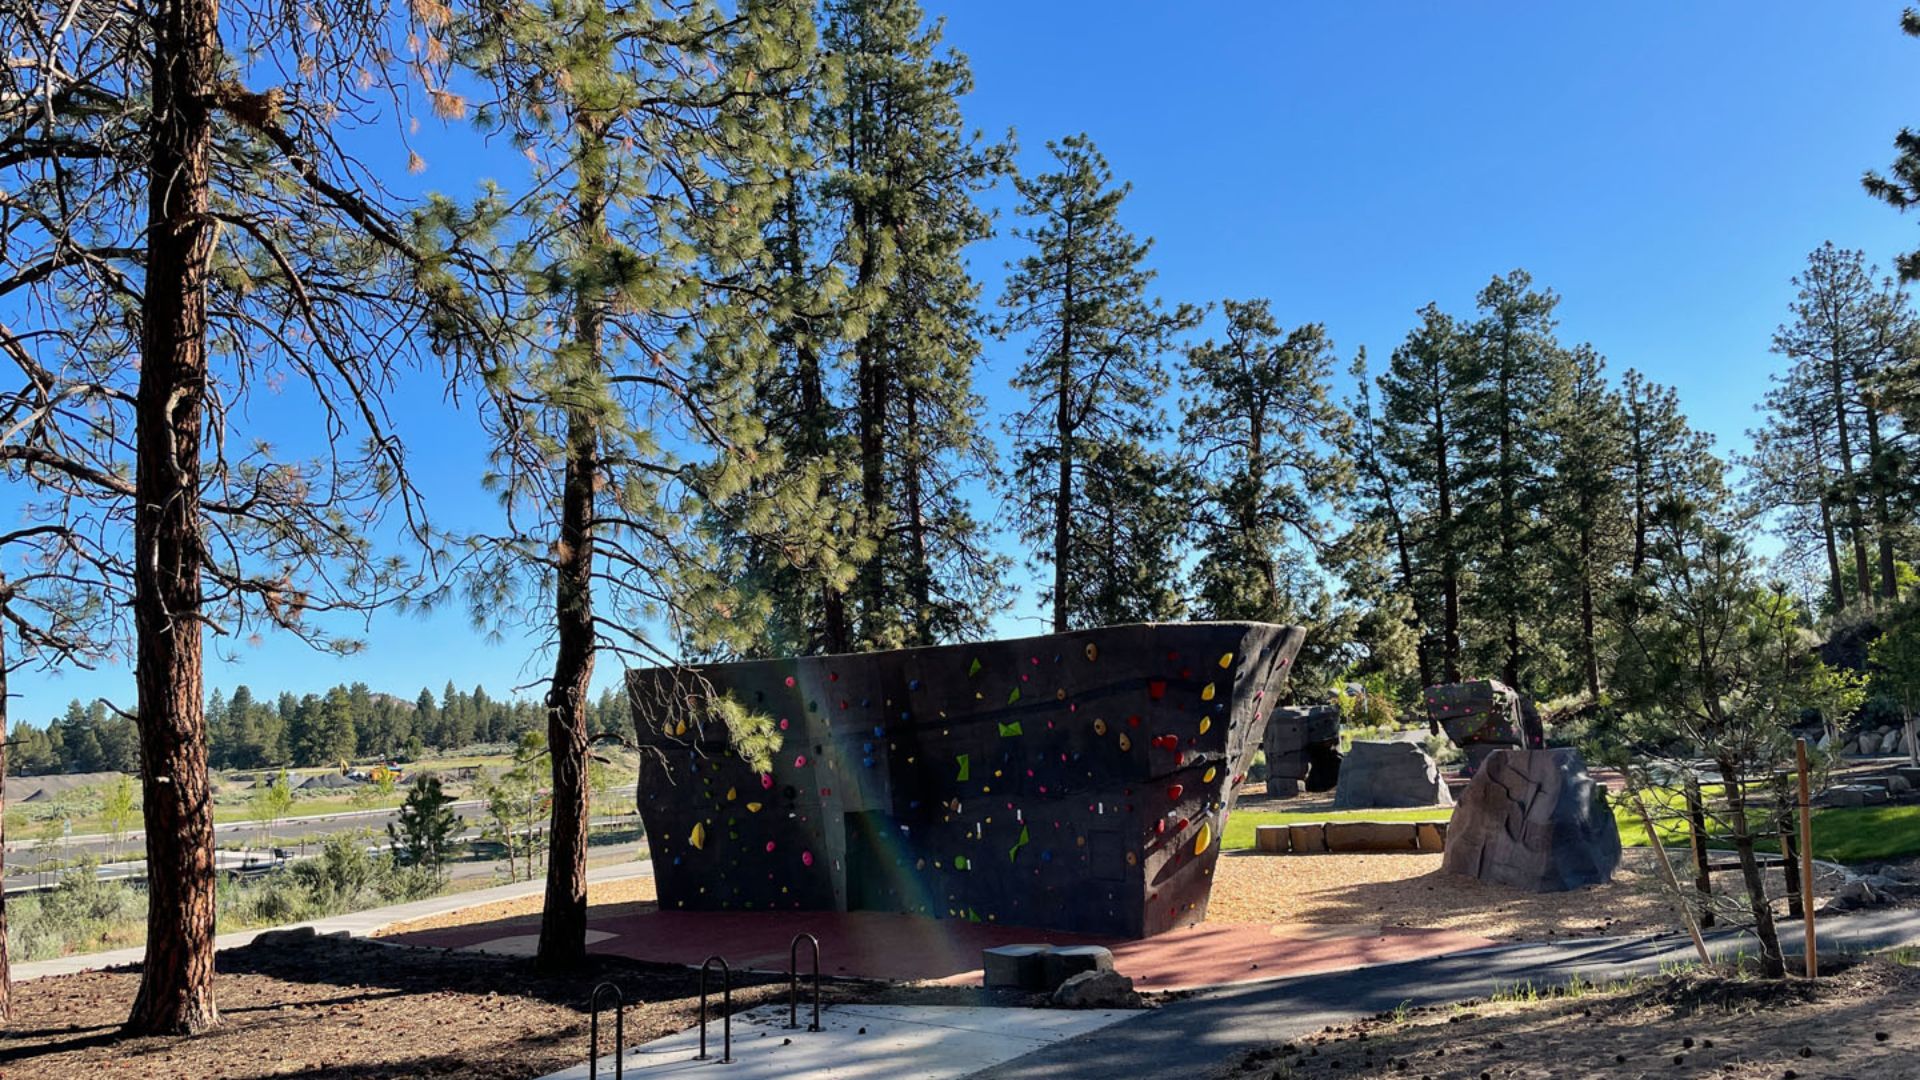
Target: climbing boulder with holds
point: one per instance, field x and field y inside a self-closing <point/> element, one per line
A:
<point x="1534" y="820"/>
<point x="1390" y="775"/>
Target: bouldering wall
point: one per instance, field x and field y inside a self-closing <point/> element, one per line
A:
<point x="1303" y="750"/>
<point x="1074" y="781"/>
<point x="1534" y="820"/>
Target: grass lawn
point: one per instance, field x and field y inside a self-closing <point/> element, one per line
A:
<point x="1240" y="826"/>
<point x="1848" y="834"/>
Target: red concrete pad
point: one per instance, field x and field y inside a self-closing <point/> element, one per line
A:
<point x="878" y="945"/>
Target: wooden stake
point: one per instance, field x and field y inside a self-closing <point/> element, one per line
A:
<point x="1806" y="857"/>
<point x="1673" y="882"/>
<point x="1697" y="825"/>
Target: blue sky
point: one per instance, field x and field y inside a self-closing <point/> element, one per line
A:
<point x="1664" y="167"/>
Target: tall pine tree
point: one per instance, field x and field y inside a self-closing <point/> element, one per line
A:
<point x="1091" y="492"/>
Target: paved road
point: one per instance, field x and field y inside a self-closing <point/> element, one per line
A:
<point x="1192" y="1037"/>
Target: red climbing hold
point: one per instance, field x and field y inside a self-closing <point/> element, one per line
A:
<point x="1156" y="688"/>
<point x="1174" y="791"/>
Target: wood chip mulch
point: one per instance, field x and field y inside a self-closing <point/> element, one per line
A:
<point x="333" y="1009"/>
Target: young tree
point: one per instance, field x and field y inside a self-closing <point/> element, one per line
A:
<point x="1716" y="665"/>
<point x="1093" y="376"/>
<point x="656" y="135"/>
<point x="117" y="810"/>
<point x="1268" y="447"/>
<point x="424" y="829"/>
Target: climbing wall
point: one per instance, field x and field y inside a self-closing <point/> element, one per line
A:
<point x="1076" y="781"/>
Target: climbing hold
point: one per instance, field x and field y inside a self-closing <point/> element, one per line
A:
<point x="699" y="837"/>
<point x="960" y="862"/>
<point x="1205" y="840"/>
<point x="1011" y="729"/>
<point x="806" y="858"/>
<point x="732" y="794"/>
<point x="1093" y="651"/>
<point x="966" y="766"/>
<point x="1018" y="844"/>
<point x="800" y="761"/>
<point x="1156" y="688"/>
<point x="974" y="668"/>
<point x="769" y="847"/>
<point x="1206" y="694"/>
<point x="1226" y="660"/>
<point x="766" y="781"/>
<point x="1125" y="743"/>
<point x="1207" y="777"/>
<point x="1014" y="696"/>
<point x="1205" y="723"/>
<point x="1174" y="791"/>
<point x="789" y="680"/>
<point x="1099" y="727"/>
<point x="753" y="807"/>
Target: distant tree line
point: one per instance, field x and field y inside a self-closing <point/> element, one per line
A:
<point x="346" y="723"/>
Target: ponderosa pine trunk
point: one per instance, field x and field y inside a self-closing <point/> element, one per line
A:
<point x="563" y="916"/>
<point x="919" y="573"/>
<point x="176" y="993"/>
<point x="6" y="730"/>
<point x="1879" y="471"/>
<point x="1856" y="524"/>
<point x="1449" y="557"/>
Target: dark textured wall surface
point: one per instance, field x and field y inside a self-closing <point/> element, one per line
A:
<point x="1075" y="781"/>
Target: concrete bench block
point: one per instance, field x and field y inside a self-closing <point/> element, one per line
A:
<point x="1273" y="839"/>
<point x="1064" y="962"/>
<point x="1021" y="967"/>
<point x="1372" y="836"/>
<point x="1307" y="839"/>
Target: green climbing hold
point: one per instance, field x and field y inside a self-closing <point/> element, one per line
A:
<point x="975" y="668"/>
<point x="1024" y="839"/>
<point x="960" y="863"/>
<point x="1010" y="729"/>
<point x="965" y="766"/>
<point x="1014" y="696"/>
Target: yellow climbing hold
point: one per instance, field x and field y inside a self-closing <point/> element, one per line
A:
<point x="699" y="837"/>
<point x="1125" y="743"/>
<point x="1207" y="777"/>
<point x="1226" y="660"/>
<point x="680" y="728"/>
<point x="1093" y="651"/>
<point x="1099" y="727"/>
<point x="1207" y="694"/>
<point x="1205" y="840"/>
<point x="1205" y="723"/>
<point x="733" y="794"/>
<point x="753" y="808"/>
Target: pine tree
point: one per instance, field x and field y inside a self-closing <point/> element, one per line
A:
<point x="1515" y="361"/>
<point x="1423" y="459"/>
<point x="657" y="138"/>
<point x="1084" y="468"/>
<point x="1269" y="445"/>
<point x="1589" y="527"/>
<point x="1902" y="190"/>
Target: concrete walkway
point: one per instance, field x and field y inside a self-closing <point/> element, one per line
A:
<point x="1197" y="1035"/>
<point x="356" y="924"/>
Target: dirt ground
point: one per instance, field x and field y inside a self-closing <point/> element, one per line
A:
<point x="1318" y="893"/>
<point x="347" y="1010"/>
<point x="1863" y="1022"/>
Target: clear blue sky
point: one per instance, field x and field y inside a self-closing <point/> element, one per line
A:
<point x="1664" y="167"/>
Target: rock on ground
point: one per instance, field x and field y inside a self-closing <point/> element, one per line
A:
<point x="1391" y="775"/>
<point x="1534" y="820"/>
<point x="1097" y="990"/>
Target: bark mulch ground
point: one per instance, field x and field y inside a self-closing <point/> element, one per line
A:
<point x="1860" y="1022"/>
<point x="333" y="1009"/>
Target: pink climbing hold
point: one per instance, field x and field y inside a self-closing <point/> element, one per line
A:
<point x="806" y="858"/>
<point x="800" y="761"/>
<point x="766" y="781"/>
<point x="789" y="680"/>
<point x="769" y="847"/>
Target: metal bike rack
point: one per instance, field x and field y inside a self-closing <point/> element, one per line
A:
<point x="619" y="1032"/>
<point x="793" y="981"/>
<point x="726" y="1004"/>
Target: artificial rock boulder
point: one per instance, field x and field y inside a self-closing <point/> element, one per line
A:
<point x="1389" y="774"/>
<point x="1303" y="749"/>
<point x="1533" y="820"/>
